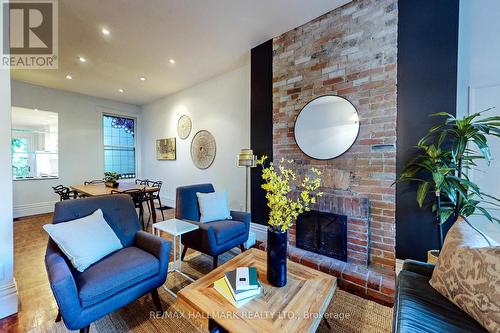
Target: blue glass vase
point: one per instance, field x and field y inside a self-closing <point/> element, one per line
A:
<point x="276" y="257"/>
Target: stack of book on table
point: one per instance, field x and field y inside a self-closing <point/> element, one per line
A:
<point x="239" y="286"/>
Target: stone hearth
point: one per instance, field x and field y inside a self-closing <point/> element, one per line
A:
<point x="367" y="282"/>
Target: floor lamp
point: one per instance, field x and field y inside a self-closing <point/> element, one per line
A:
<point x="248" y="160"/>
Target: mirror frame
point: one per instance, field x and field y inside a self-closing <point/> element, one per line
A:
<point x="297" y="117"/>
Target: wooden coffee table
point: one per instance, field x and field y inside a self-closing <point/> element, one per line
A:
<point x="297" y="307"/>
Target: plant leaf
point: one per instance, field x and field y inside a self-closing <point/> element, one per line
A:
<point x="422" y="190"/>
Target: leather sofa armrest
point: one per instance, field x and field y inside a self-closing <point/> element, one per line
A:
<point x="62" y="283"/>
<point x="418" y="267"/>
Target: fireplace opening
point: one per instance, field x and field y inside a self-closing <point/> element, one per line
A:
<point x="323" y="233"/>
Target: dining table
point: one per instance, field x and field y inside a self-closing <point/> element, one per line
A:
<point x="93" y="190"/>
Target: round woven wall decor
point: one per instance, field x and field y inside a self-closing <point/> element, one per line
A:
<point x="203" y="149"/>
<point x="184" y="126"/>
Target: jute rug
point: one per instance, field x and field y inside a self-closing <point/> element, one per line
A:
<point x="346" y="313"/>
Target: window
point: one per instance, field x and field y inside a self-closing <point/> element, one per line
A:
<point x="34" y="144"/>
<point x="119" y="145"/>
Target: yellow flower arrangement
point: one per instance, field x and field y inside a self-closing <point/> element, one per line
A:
<point x="279" y="180"/>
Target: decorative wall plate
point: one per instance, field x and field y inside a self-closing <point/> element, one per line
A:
<point x="203" y="149"/>
<point x="184" y="126"/>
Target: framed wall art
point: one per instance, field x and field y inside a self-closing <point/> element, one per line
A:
<point x="165" y="149"/>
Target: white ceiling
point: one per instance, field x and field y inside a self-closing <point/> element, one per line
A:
<point x="204" y="37"/>
<point x="23" y="118"/>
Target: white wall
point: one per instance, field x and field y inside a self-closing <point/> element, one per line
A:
<point x="80" y="141"/>
<point x="478" y="48"/>
<point x="221" y="106"/>
<point x="8" y="290"/>
<point x="479" y="76"/>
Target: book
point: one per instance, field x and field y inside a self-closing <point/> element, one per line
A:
<point x="246" y="278"/>
<point x="230" y="278"/>
<point x="242" y="278"/>
<point x="221" y="286"/>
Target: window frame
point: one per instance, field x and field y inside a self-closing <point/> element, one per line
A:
<point x="105" y="111"/>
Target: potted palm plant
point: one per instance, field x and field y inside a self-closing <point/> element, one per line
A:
<point x="445" y="155"/>
<point x="280" y="181"/>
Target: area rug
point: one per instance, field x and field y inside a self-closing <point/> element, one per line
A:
<point x="346" y="313"/>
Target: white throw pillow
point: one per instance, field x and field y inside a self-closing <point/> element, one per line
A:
<point x="213" y="206"/>
<point x="85" y="240"/>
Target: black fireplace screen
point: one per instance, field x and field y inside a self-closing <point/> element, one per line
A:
<point x="323" y="233"/>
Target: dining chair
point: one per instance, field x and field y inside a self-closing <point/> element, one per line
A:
<point x="64" y="192"/>
<point x="142" y="181"/>
<point x="139" y="196"/>
<point x="95" y="181"/>
<point x="156" y="195"/>
<point x="145" y="182"/>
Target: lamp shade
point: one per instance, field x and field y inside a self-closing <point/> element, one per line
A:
<point x="246" y="158"/>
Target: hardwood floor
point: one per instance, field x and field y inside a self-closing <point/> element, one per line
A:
<point x="36" y="303"/>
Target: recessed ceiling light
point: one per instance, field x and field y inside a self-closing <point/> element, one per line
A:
<point x="105" y="32"/>
<point x="69" y="77"/>
<point x="82" y="59"/>
<point x="172" y="61"/>
<point x="121" y="90"/>
<point x="36" y="109"/>
<point x="142" y="78"/>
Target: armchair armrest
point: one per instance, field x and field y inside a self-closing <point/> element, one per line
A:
<point x="241" y="216"/>
<point x="154" y="245"/>
<point x="204" y="238"/>
<point x="418" y="267"/>
<point x="206" y="234"/>
<point x="62" y="283"/>
<point x="157" y="246"/>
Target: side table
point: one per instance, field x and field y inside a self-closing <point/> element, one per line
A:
<point x="176" y="228"/>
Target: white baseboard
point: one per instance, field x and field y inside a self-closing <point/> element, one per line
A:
<point x="34" y="209"/>
<point x="9" y="300"/>
<point x="260" y="231"/>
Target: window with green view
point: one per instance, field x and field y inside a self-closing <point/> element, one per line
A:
<point x="20" y="163"/>
<point x="34" y="144"/>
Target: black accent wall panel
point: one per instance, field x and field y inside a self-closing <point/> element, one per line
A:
<point x="261" y="122"/>
<point x="427" y="83"/>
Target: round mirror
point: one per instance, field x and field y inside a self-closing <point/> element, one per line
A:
<point x="326" y="127"/>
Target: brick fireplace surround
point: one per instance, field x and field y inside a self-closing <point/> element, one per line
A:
<point x="356" y="209"/>
<point x="350" y="52"/>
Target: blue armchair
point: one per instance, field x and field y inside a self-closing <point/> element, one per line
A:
<point x="118" y="279"/>
<point x="212" y="238"/>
